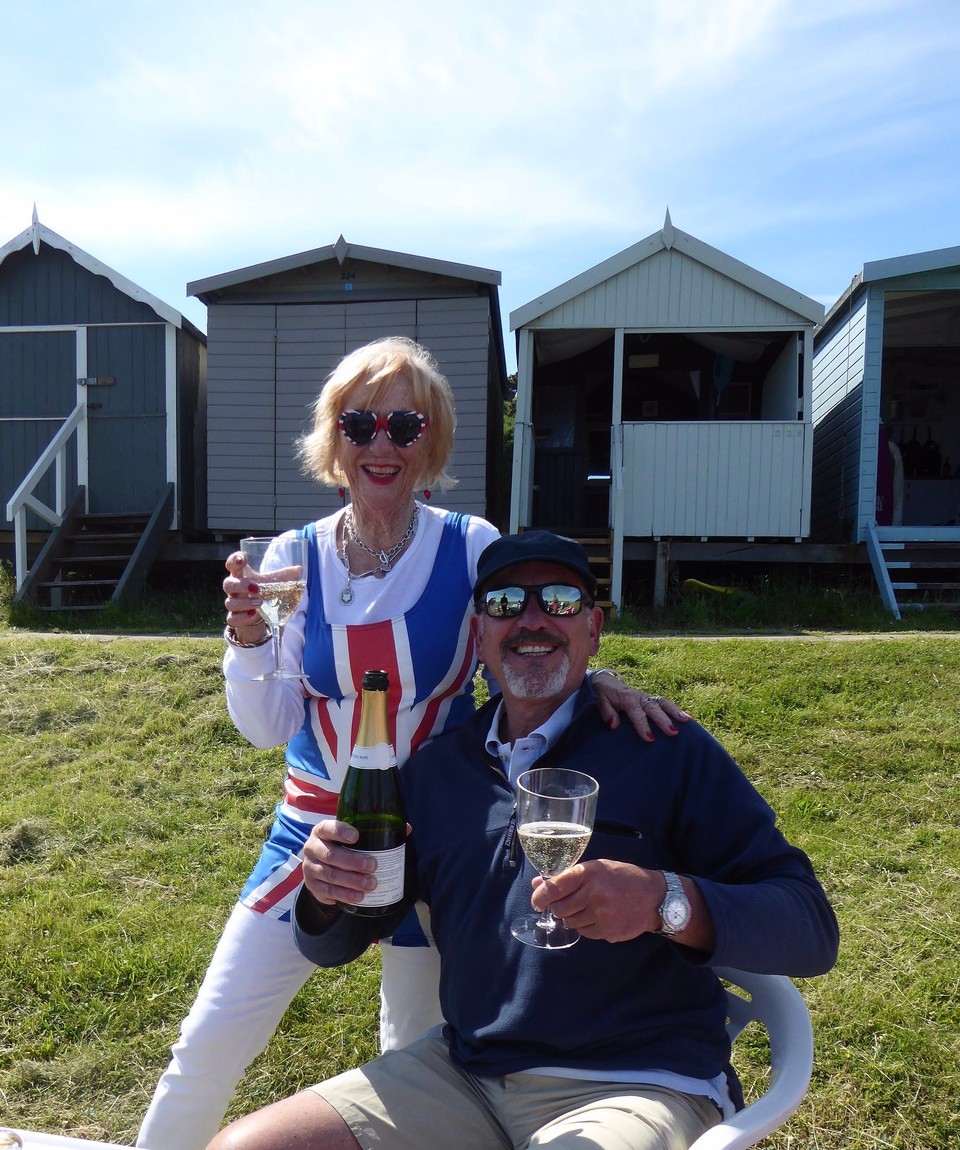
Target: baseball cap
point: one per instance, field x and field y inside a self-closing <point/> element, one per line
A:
<point x="530" y="547"/>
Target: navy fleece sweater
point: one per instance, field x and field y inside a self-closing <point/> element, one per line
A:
<point x="678" y="804"/>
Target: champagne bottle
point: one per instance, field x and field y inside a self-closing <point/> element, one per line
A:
<point x="371" y="799"/>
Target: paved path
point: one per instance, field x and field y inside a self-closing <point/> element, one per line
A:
<point x="767" y="636"/>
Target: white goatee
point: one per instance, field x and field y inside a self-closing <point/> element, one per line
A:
<point x="535" y="681"/>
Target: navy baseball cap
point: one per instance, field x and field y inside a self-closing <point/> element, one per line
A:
<point x="530" y="547"/>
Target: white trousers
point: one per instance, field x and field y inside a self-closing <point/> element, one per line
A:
<point x="253" y="977"/>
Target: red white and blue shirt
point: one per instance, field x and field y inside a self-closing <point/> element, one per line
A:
<point x="414" y="623"/>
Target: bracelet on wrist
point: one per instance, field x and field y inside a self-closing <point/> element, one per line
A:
<point x="234" y="639"/>
<point x="611" y="672"/>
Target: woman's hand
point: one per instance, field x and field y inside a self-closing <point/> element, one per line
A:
<point x="615" y="697"/>
<point x="242" y="600"/>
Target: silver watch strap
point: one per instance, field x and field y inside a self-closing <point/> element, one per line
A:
<point x="674" y="890"/>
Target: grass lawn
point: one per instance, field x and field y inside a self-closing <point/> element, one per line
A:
<point x="131" y="811"/>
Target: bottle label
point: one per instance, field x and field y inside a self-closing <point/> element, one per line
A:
<point x="389" y="877"/>
<point x="378" y="758"/>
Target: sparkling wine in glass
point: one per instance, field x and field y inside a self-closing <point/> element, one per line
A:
<point x="555" y="812"/>
<point x="279" y="568"/>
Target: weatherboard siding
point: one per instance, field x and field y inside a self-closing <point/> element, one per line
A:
<point x="266" y="366"/>
<point x="668" y="291"/>
<point x="241" y="417"/>
<point x="457" y="332"/>
<point x="870" y="414"/>
<point x="714" y="480"/>
<point x="51" y="288"/>
<point x="38" y="375"/>
<point x="838" y="418"/>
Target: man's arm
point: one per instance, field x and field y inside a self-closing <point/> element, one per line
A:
<point x="782" y="925"/>
<point x="329" y="939"/>
<point x="756" y="903"/>
<point x="617" y="901"/>
<point x="770" y="913"/>
<point x="779" y="925"/>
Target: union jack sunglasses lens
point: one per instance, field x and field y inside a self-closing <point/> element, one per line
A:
<point x="402" y="427"/>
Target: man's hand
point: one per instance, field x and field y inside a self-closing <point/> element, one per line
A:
<point x="617" y="901"/>
<point x="331" y="872"/>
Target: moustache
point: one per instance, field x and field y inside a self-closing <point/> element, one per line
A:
<point x="528" y="636"/>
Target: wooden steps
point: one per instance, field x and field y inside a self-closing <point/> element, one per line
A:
<point x="93" y="555"/>
<point x="916" y="568"/>
<point x="599" y="549"/>
<point x="93" y="559"/>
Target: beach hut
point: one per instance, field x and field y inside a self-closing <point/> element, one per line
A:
<point x="276" y="330"/>
<point x="886" y="404"/>
<point x="101" y="422"/>
<point x="663" y="402"/>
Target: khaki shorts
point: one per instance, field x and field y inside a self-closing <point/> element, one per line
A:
<point x="417" y="1097"/>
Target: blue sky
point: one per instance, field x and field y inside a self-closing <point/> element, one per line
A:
<point x="174" y="141"/>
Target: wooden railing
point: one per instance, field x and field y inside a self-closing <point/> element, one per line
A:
<point x="24" y="498"/>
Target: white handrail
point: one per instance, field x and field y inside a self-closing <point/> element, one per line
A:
<point x="23" y="498"/>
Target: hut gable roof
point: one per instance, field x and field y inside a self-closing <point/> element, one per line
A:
<point x="943" y="259"/>
<point x="324" y="270"/>
<point x="649" y="284"/>
<point x="940" y="260"/>
<point x="38" y="234"/>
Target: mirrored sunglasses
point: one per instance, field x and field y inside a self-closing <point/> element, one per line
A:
<point x="554" y="599"/>
<point x="402" y="427"/>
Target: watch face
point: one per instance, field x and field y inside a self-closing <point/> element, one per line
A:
<point x="675" y="913"/>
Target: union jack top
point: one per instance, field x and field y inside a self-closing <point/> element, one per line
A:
<point x="430" y="657"/>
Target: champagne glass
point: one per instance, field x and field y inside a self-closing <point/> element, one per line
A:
<point x="555" y="811"/>
<point x="279" y="568"/>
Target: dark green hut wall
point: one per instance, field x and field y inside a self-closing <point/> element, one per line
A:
<point x="50" y="288"/>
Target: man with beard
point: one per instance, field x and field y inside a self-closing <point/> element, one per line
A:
<point x="618" y="1041"/>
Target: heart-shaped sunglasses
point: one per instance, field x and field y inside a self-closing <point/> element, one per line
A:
<point x="402" y="427"/>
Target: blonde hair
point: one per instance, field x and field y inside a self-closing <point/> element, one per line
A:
<point x="374" y="367"/>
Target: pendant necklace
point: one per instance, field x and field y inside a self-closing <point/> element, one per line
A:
<point x="384" y="558"/>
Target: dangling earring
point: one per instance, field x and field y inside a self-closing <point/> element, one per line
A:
<point x="342" y="492"/>
<point x="426" y="493"/>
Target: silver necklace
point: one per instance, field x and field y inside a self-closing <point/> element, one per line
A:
<point x="384" y="558"/>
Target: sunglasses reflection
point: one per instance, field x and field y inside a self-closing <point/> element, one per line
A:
<point x="555" y="599"/>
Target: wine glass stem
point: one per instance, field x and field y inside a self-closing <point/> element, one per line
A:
<point x="547" y="921"/>
<point x="278" y="647"/>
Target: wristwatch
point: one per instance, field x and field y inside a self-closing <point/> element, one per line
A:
<point x="675" y="908"/>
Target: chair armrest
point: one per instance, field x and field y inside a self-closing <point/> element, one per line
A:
<point x="777" y="1004"/>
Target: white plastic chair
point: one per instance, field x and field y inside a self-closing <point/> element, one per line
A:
<point x="34" y="1140"/>
<point x="777" y="1004"/>
<point x="774" y="1002"/>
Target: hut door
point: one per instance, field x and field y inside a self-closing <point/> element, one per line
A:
<point x="560" y="464"/>
<point x="126" y="418"/>
<point x="38" y="390"/>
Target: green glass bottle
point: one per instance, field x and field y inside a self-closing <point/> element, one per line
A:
<point x="371" y="799"/>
